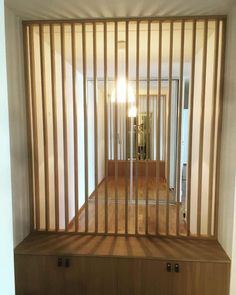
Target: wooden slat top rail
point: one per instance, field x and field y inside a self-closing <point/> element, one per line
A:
<point x="125" y="247"/>
<point x="114" y="19"/>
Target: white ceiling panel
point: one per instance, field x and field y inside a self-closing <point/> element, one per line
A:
<point x="61" y="9"/>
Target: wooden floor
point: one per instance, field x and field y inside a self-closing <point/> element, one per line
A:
<point x="121" y="186"/>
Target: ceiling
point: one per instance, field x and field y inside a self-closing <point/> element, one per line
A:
<point x="61" y="9"/>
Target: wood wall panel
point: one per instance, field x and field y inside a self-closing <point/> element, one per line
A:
<point x="141" y="168"/>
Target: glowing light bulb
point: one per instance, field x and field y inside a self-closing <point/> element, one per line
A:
<point x="132" y="113"/>
<point x="121" y="92"/>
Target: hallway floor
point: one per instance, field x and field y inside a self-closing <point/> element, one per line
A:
<point x="152" y="208"/>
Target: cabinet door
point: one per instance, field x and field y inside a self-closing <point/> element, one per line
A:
<point x="128" y="276"/>
<point x="90" y="275"/>
<point x="29" y="275"/>
<point x="213" y="279"/>
<point x="38" y="275"/>
<point x="185" y="281"/>
<point x="54" y="280"/>
<point x="201" y="278"/>
<point x="155" y="278"/>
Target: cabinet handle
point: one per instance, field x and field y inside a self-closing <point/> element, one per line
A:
<point x="168" y="267"/>
<point x="59" y="262"/>
<point x="176" y="267"/>
<point x="67" y="264"/>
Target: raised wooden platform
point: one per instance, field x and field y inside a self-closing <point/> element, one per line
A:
<point x="67" y="264"/>
<point x="128" y="247"/>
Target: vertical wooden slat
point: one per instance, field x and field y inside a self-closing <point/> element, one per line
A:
<point x="168" y="131"/>
<point x="110" y="131"/>
<point x="106" y="127"/>
<point x="190" y="128"/>
<point x="115" y="142"/>
<point x="212" y="134"/>
<point x="35" y="126"/>
<point x="85" y="126"/>
<point x="127" y="124"/>
<point x="55" y="128"/>
<point x="137" y="107"/>
<point x="219" y="125"/>
<point x="29" y="124"/>
<point x="164" y="146"/>
<point x="158" y="129"/>
<point x="180" y="106"/>
<point x="201" y="132"/>
<point x="45" y="127"/>
<point x="95" y="124"/>
<point x="65" y="131"/>
<point x="147" y="130"/>
<point x="75" y="127"/>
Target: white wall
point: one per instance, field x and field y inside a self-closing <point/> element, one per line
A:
<point x="18" y="127"/>
<point x="6" y="233"/>
<point x="233" y="255"/>
<point x="227" y="210"/>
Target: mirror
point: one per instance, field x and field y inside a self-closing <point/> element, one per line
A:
<point x="140" y="141"/>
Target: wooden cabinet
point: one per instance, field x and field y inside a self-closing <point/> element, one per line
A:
<point x="38" y="275"/>
<point x="127" y="276"/>
<point x="29" y="274"/>
<point x="90" y="275"/>
<point x="84" y="275"/>
<point x="84" y="272"/>
<point x="201" y="278"/>
<point x="213" y="278"/>
<point x="155" y="278"/>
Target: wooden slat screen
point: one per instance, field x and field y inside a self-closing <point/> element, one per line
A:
<point x="124" y="121"/>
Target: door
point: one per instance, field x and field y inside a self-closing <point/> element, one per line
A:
<point x="54" y="278"/>
<point x="213" y="278"/>
<point x="128" y="276"/>
<point x="155" y="278"/>
<point x="185" y="278"/>
<point x="38" y="275"/>
<point x="201" y="278"/>
<point x="29" y="274"/>
<point x="90" y="275"/>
